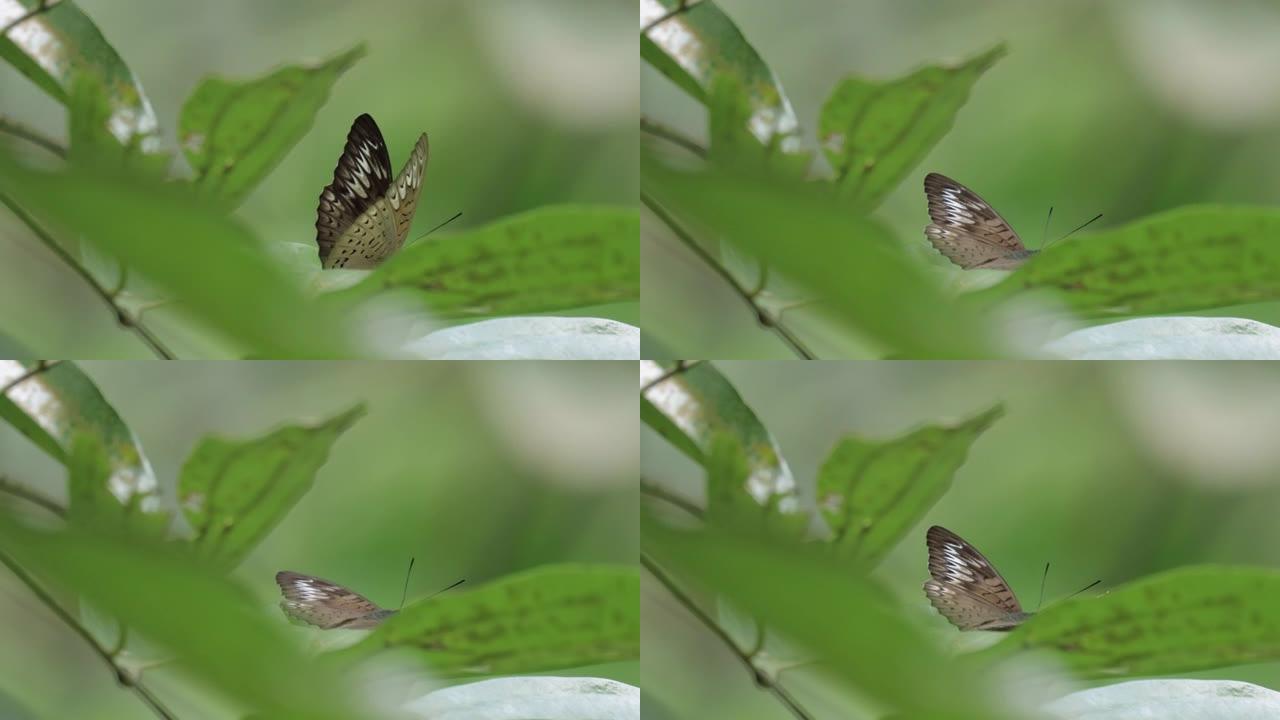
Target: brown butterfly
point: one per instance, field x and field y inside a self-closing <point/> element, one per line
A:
<point x="968" y="231"/>
<point x="363" y="215"/>
<point x="965" y="588"/>
<point x="327" y="605"/>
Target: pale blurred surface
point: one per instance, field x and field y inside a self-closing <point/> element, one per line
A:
<point x="1109" y="471"/>
<point x="1120" y="107"/>
<point x="476" y="469"/>
<point x="526" y="104"/>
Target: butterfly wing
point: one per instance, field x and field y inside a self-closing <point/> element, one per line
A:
<point x="404" y="192"/>
<point x="326" y="605"/>
<point x="967" y="230"/>
<point x="361" y="178"/>
<point x="965" y="588"/>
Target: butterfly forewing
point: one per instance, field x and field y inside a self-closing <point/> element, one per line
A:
<point x="364" y="216"/>
<point x="327" y="605"/>
<point x="967" y="230"/>
<point x="965" y="588"/>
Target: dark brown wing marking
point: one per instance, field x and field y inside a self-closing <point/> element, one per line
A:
<point x="361" y="178"/>
<point x="326" y="605"/>
<point x="965" y="588"/>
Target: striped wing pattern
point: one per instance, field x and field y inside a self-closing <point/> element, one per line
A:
<point x="327" y="605"/>
<point x="967" y="230"/>
<point x="364" y="216"/>
<point x="965" y="588"/>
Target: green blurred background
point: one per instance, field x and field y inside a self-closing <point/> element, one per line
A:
<point x="476" y="469"/>
<point x="1109" y="471"/>
<point x="1121" y="107"/>
<point x="526" y="104"/>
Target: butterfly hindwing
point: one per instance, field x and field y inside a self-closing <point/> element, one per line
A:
<point x="965" y="588"/>
<point x="967" y="230"/>
<point x="403" y="193"/>
<point x="326" y="605"/>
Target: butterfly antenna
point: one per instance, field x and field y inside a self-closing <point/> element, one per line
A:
<point x="1043" y="577"/>
<point x="1073" y="232"/>
<point x="1044" y="233"/>
<point x="1095" y="582"/>
<point x="464" y="580"/>
<point x="405" y="592"/>
<point x="446" y="222"/>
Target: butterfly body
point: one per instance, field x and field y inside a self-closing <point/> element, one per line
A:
<point x="327" y="605"/>
<point x="967" y="230"/>
<point x="364" y="215"/>
<point x="965" y="588"/>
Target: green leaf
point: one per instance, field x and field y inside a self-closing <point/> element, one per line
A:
<point x="873" y="493"/>
<point x="874" y="133"/>
<point x="850" y="263"/>
<point x="92" y="504"/>
<point x="54" y="46"/>
<point x="1191" y="258"/>
<point x="727" y="473"/>
<point x="552" y="698"/>
<point x="234" y="492"/>
<point x="1176" y="698"/>
<point x="89" y="127"/>
<point x="552" y="258"/>
<point x="1192" y="618"/>
<point x="550" y="617"/>
<point x="213" y="627"/>
<point x="732" y="143"/>
<point x="208" y="263"/>
<point x="696" y="45"/>
<point x="234" y="133"/>
<point x="55" y="407"/>
<point x="691" y="408"/>
<point x="855" y="629"/>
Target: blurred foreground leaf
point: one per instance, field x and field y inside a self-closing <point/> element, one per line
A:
<point x="89" y="129"/>
<point x="92" y="503"/>
<point x="851" y="624"/>
<point x="874" y="133"/>
<point x="850" y="263"/>
<point x="550" y="617"/>
<point x="53" y="407"/>
<point x="1172" y="699"/>
<point x="520" y="698"/>
<point x="234" y="492"/>
<point x="208" y="263"/>
<point x="696" y="45"/>
<point x="1191" y="258"/>
<point x="551" y="258"/>
<point x="873" y="493"/>
<point x="733" y="144"/>
<point x="54" y="46"/>
<point x="213" y="628"/>
<point x="1170" y="338"/>
<point x="1193" y="618"/>
<point x="234" y="133"/>
<point x="691" y="408"/>
<point x="531" y="338"/>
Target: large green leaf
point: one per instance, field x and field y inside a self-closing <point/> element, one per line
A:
<point x="91" y="501"/>
<point x="874" y="133"/>
<point x="872" y="493"/>
<point x="234" y="133"/>
<point x="733" y="142"/>
<point x="694" y="46"/>
<point x="210" y="264"/>
<point x="691" y="408"/>
<point x="213" y="628"/>
<point x="550" y="617"/>
<point x="234" y="492"/>
<point x="1192" y="618"/>
<point x="59" y="43"/>
<point x="849" y="262"/>
<point x="57" y="405"/>
<point x="1192" y="258"/>
<point x="552" y="258"/>
<point x="856" y="632"/>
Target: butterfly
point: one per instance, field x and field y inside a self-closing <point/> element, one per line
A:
<point x="965" y="588"/>
<point x="364" y="216"/>
<point x="327" y="605"/>
<point x="968" y="231"/>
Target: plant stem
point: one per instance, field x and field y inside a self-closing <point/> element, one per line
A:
<point x="21" y="491"/>
<point x="107" y="297"/>
<point x="665" y="495"/>
<point x="40" y="366"/>
<point x="761" y="677"/>
<point x="18" y="130"/>
<point x="762" y="316"/>
<point x="121" y="675"/>
<point x="658" y="130"/>
<point x="680" y="367"/>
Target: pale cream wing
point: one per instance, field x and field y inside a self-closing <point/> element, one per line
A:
<point x="965" y="588"/>
<point x="967" y="230"/>
<point x="403" y="194"/>
<point x="324" y="604"/>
